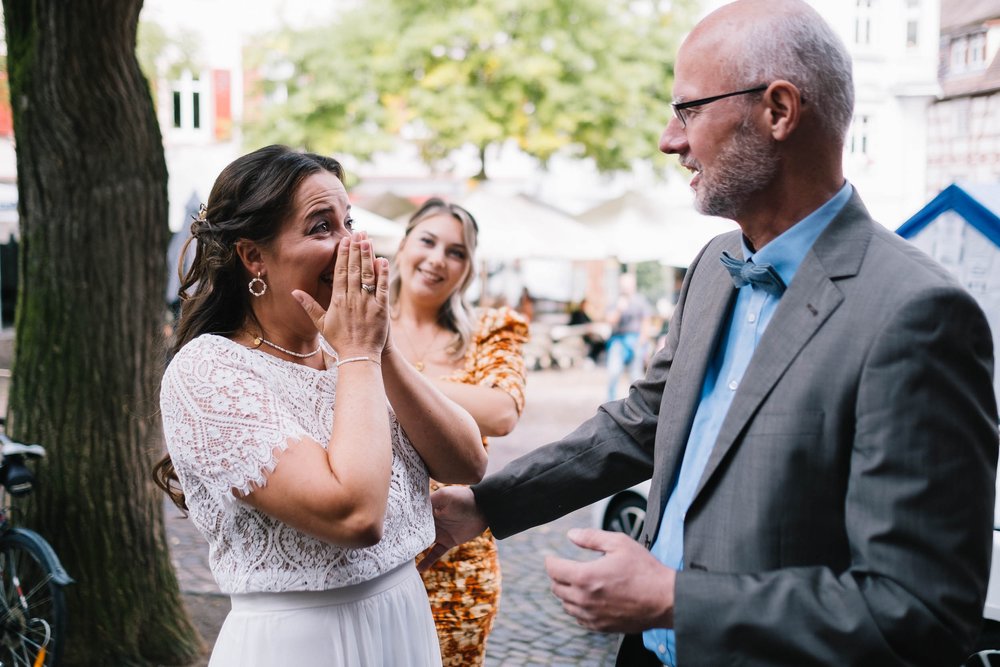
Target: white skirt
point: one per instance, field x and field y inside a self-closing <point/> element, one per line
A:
<point x="383" y="622"/>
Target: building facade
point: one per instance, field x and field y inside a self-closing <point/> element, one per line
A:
<point x="894" y="48"/>
<point x="201" y="82"/>
<point x="964" y="124"/>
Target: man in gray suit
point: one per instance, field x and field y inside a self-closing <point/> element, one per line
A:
<point x="820" y="428"/>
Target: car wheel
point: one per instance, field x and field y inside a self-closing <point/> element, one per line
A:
<point x="626" y="514"/>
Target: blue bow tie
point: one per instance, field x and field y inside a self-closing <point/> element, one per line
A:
<point x="763" y="276"/>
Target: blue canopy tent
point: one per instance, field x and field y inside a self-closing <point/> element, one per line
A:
<point x="979" y="205"/>
<point x="960" y="228"/>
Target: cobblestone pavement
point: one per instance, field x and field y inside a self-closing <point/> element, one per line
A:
<point x="531" y="628"/>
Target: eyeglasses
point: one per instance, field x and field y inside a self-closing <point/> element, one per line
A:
<point x="679" y="107"/>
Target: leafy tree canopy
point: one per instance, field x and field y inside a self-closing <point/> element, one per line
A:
<point x="587" y="78"/>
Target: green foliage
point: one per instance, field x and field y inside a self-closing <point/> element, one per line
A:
<point x="174" y="53"/>
<point x="588" y="78"/>
<point x="653" y="280"/>
<point x="151" y="43"/>
<point x="321" y="88"/>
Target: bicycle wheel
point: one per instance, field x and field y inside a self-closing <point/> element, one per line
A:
<point x="32" y="604"/>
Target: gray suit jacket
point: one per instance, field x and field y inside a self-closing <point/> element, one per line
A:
<point x="845" y="514"/>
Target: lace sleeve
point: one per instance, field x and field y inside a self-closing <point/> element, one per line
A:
<point x="499" y="359"/>
<point x="221" y="420"/>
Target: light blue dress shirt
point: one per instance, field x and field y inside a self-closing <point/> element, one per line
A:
<point x="751" y="314"/>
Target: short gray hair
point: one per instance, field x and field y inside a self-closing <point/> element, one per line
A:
<point x="801" y="47"/>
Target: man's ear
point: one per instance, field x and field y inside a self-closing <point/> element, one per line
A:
<point x="784" y="108"/>
<point x="250" y="255"/>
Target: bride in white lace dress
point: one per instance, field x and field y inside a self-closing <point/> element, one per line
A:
<point x="298" y="440"/>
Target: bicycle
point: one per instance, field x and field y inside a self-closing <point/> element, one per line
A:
<point x="32" y="603"/>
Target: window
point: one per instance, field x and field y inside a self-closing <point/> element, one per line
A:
<point x="858" y="142"/>
<point x="968" y="53"/>
<point x="177" y="108"/>
<point x="958" y="50"/>
<point x="912" y="23"/>
<point x="189" y="100"/>
<point x="863" y="22"/>
<point x="976" y="58"/>
<point x="196" y="110"/>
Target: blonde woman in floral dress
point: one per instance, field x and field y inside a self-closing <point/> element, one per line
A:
<point x="474" y="359"/>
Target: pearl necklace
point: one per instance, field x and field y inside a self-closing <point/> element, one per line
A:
<point x="258" y="340"/>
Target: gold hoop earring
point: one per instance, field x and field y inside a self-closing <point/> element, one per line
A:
<point x="257" y="283"/>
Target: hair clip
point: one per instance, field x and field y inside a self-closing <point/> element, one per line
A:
<point x="199" y="223"/>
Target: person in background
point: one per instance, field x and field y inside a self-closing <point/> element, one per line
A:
<point x="820" y="429"/>
<point x="594" y="342"/>
<point x="282" y="446"/>
<point x="176" y="267"/>
<point x="661" y="324"/>
<point x="475" y="360"/>
<point x="628" y="318"/>
<point x="526" y="305"/>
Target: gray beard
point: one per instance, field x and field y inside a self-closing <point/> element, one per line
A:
<point x="744" y="167"/>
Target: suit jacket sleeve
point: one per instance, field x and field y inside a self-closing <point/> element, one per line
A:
<point x="918" y="512"/>
<point x="611" y="451"/>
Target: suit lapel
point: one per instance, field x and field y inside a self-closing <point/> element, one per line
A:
<point x="707" y="305"/>
<point x="811" y="298"/>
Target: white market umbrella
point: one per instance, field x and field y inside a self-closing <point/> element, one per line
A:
<point x="517" y="227"/>
<point x="667" y="229"/>
<point x="384" y="233"/>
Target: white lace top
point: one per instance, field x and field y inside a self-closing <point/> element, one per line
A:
<point x="225" y="410"/>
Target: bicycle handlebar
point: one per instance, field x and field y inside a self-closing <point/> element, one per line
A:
<point x="10" y="447"/>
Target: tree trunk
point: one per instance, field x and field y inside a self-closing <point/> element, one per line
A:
<point x="481" y="176"/>
<point x="92" y="184"/>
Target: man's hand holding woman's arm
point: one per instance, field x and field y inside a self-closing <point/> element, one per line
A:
<point x="457" y="520"/>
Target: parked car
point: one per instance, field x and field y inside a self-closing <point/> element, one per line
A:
<point x="624" y="512"/>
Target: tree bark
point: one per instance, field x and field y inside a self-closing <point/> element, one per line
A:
<point x="481" y="176"/>
<point x="92" y="186"/>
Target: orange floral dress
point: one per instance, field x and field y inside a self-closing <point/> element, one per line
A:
<point x="464" y="586"/>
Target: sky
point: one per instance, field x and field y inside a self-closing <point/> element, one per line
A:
<point x="252" y="16"/>
<point x="248" y="16"/>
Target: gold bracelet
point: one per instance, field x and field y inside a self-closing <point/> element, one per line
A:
<point x="341" y="362"/>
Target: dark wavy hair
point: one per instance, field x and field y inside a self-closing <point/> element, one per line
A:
<point x="250" y="200"/>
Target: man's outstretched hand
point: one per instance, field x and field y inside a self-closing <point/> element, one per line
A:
<point x="456" y="520"/>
